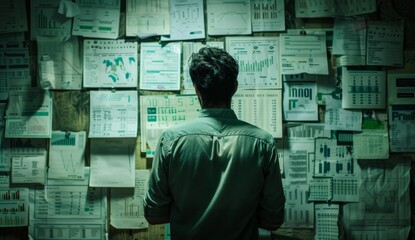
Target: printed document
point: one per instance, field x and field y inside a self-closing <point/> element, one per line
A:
<point x="13" y="17"/>
<point x="260" y="108"/>
<point x="363" y="89"/>
<point x="60" y="63"/>
<point x="402" y="128"/>
<point x="303" y="53"/>
<point x="349" y="40"/>
<point x="29" y="114"/>
<point x="373" y="141"/>
<point x="127" y="204"/>
<point x="385" y="43"/>
<point x="46" y="21"/>
<point x="5" y="152"/>
<point x="29" y="169"/>
<point x="299" y="212"/>
<point x="268" y="15"/>
<point x="229" y="17"/>
<point x="258" y="61"/>
<point x="337" y="118"/>
<point x="112" y="162"/>
<point x="97" y="19"/>
<point x="327" y="216"/>
<point x="68" y="209"/>
<point x="187" y="20"/>
<point x="382" y="210"/>
<point x="14" y="65"/>
<point x="330" y="8"/>
<point x="110" y="63"/>
<point x="147" y="18"/>
<point x="113" y="114"/>
<point x="67" y="155"/>
<point x="159" y="112"/>
<point x="14" y="207"/>
<point x="160" y="66"/>
<point x="299" y="101"/>
<point x="401" y="88"/>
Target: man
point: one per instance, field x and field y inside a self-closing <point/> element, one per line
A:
<point x="215" y="177"/>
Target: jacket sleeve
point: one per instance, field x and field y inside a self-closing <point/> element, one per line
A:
<point x="271" y="207"/>
<point x="157" y="199"/>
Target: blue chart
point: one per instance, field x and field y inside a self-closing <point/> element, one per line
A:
<point x="14" y="207"/>
<point x="332" y="159"/>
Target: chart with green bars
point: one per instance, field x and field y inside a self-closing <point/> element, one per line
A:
<point x="258" y="61"/>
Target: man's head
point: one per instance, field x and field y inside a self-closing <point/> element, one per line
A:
<point x="214" y="74"/>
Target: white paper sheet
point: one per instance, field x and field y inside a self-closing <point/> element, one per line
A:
<point x="160" y="66"/>
<point x="14" y="64"/>
<point x="188" y="48"/>
<point x="29" y="169"/>
<point x="112" y="162"/>
<point x="28" y="146"/>
<point x="401" y="88"/>
<point x="330" y="8"/>
<point x="402" y="128"/>
<point x="147" y="18"/>
<point x="373" y="141"/>
<point x="14" y="207"/>
<point x="332" y="160"/>
<point x="385" y="43"/>
<point x="382" y="211"/>
<point x="127" y="205"/>
<point x="299" y="212"/>
<point x="13" y="16"/>
<point x="349" y="40"/>
<point x="67" y="155"/>
<point x="113" y="114"/>
<point x="268" y="15"/>
<point x="258" y="61"/>
<point x="29" y="114"/>
<point x="187" y="20"/>
<point x="97" y="19"/>
<point x="68" y="209"/>
<point x="363" y="89"/>
<point x="230" y="17"/>
<point x="5" y="153"/>
<point x="321" y="189"/>
<point x="336" y="118"/>
<point x="160" y="112"/>
<point x="60" y="63"/>
<point x="110" y="63"/>
<point x="46" y="21"/>
<point x="327" y="216"/>
<point x="303" y="54"/>
<point x="299" y="101"/>
<point x="260" y="108"/>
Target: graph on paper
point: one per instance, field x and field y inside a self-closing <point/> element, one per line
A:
<point x="257" y="59"/>
<point x="228" y="17"/>
<point x="332" y="159"/>
<point x="268" y="15"/>
<point x="14" y="207"/>
<point x="46" y="21"/>
<point x="67" y="155"/>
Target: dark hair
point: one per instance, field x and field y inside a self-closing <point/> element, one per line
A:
<point x="214" y="72"/>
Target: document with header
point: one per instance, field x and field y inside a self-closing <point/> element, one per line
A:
<point x="97" y="19"/>
<point x="304" y="53"/>
<point x="160" y="66"/>
<point x="29" y="114"/>
<point x="113" y="114"/>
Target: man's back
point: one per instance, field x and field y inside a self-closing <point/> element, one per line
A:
<point x="220" y="176"/>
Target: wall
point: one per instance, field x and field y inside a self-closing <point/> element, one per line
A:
<point x="73" y="110"/>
